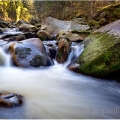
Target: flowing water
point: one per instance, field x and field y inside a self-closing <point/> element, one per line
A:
<point x="56" y="92"/>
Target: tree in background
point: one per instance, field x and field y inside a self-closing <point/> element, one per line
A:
<point x="26" y="9"/>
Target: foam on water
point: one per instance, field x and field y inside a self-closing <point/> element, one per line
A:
<point x="56" y="92"/>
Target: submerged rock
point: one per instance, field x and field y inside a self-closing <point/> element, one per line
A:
<point x="101" y="56"/>
<point x="63" y="50"/>
<point x="30" y="52"/>
<point x="10" y="99"/>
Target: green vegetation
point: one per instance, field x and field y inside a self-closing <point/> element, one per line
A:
<point x="13" y="10"/>
<point x="101" y="55"/>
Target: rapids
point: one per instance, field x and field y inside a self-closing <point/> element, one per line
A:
<point x="56" y="92"/>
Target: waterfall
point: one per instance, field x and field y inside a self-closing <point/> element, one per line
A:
<point x="76" y="50"/>
<point x="5" y="59"/>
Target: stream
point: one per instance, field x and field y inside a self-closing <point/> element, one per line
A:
<point x="58" y="93"/>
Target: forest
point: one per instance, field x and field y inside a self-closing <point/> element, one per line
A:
<point x="13" y="10"/>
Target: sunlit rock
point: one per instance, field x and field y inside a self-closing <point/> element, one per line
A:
<point x="54" y="26"/>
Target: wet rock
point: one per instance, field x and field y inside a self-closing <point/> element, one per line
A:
<point x="52" y="51"/>
<point x="22" y="52"/>
<point x="63" y="50"/>
<point x="74" y="68"/>
<point x="27" y="28"/>
<point x="10" y="99"/>
<point x="30" y="53"/>
<point x="43" y="35"/>
<point x="15" y="38"/>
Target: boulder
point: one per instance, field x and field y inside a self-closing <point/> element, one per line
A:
<point x="63" y="50"/>
<point x="54" y="26"/>
<point x="4" y="24"/>
<point x="72" y="35"/>
<point x="15" y="38"/>
<point x="28" y="35"/>
<point x="20" y="22"/>
<point x="101" y="56"/>
<point x="29" y="53"/>
<point x="43" y="35"/>
<point x="27" y="28"/>
<point x="10" y="99"/>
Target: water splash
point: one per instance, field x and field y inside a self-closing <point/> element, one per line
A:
<point x="56" y="92"/>
<point x="76" y="50"/>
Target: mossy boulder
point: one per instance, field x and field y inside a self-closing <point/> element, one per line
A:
<point x="93" y="24"/>
<point x="101" y="56"/>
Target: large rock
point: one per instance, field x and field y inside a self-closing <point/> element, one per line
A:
<point x="53" y="25"/>
<point x="27" y="28"/>
<point x="4" y="24"/>
<point x="101" y="56"/>
<point x="72" y="35"/>
<point x="20" y="22"/>
<point x="43" y="35"/>
<point x="63" y="50"/>
<point x="29" y="53"/>
<point x="10" y="99"/>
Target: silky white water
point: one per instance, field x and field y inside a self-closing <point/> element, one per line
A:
<point x="56" y="92"/>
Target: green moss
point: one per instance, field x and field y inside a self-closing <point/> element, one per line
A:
<point x="93" y="23"/>
<point x="41" y="36"/>
<point x="59" y="54"/>
<point x="101" y="55"/>
<point x="112" y="13"/>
